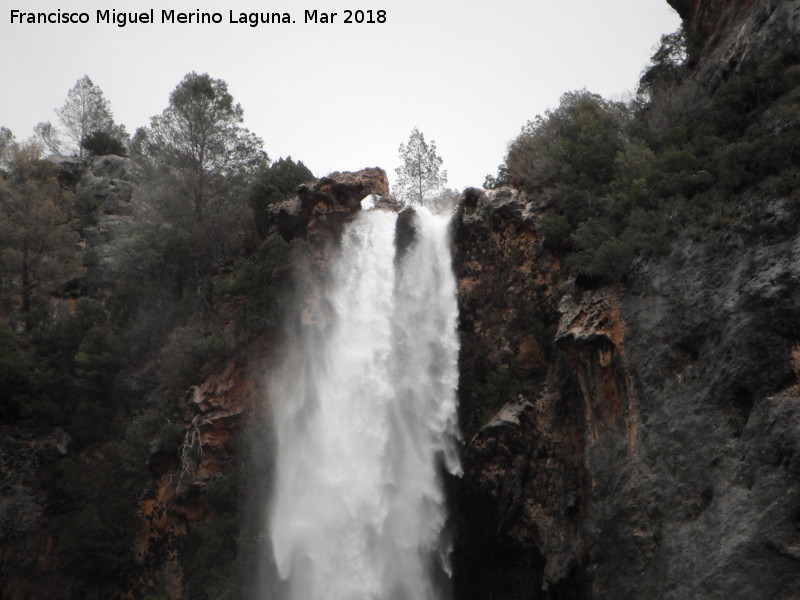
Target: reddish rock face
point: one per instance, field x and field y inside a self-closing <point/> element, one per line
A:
<point x="325" y="206"/>
<point x="319" y="211"/>
<point x="215" y="412"/>
<point x="342" y="192"/>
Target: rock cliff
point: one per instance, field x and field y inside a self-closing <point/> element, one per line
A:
<point x="739" y="35"/>
<point x="638" y="440"/>
<point x="658" y="454"/>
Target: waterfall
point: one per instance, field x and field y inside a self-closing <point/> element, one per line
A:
<point x="366" y="420"/>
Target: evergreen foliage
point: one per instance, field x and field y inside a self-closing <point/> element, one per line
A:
<point x="86" y="112"/>
<point x="200" y="162"/>
<point x="102" y="143"/>
<point x="420" y="174"/>
<point x="106" y="357"/>
<point x="15" y="373"/>
<point x="38" y="238"/>
<point x="275" y="183"/>
<point x="626" y="179"/>
<point x="197" y="275"/>
<point x="199" y="146"/>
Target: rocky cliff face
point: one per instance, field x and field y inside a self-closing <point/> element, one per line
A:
<point x="105" y="187"/>
<point x="739" y="35"/>
<point x="632" y="441"/>
<point x="653" y="451"/>
<point x="658" y="456"/>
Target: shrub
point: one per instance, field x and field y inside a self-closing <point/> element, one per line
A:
<point x="102" y="143"/>
<point x="275" y="183"/>
<point x="556" y="231"/>
<point x="186" y="354"/>
<point x="573" y="144"/>
<point x="210" y="552"/>
<point x="263" y="281"/>
<point x="97" y="501"/>
<point x="611" y="260"/>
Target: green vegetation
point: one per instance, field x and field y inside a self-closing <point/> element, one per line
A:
<point x="103" y="342"/>
<point x="627" y="179"/>
<point x="103" y="143"/>
<point x="15" y="373"/>
<point x="38" y="238"/>
<point x="260" y="280"/>
<point x="96" y="524"/>
<point x="275" y="183"/>
<point x="210" y="551"/>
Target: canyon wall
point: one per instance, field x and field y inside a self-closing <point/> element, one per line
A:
<point x="644" y="441"/>
<point x="656" y="456"/>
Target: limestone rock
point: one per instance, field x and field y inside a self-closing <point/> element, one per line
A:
<point x="739" y="35"/>
<point x="656" y="451"/>
<point x="111" y="181"/>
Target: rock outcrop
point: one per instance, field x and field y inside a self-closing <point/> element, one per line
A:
<point x="654" y="450"/>
<point x="106" y="199"/>
<point x="320" y="210"/>
<point x="737" y="36"/>
<point x="636" y="441"/>
<point x="214" y="414"/>
<point x="659" y="455"/>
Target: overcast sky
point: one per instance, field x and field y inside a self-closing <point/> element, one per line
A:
<point x="342" y="96"/>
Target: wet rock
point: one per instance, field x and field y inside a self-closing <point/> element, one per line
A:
<point x="405" y="232"/>
<point x="319" y="211"/>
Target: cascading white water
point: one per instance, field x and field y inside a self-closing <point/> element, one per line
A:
<point x="365" y="420"/>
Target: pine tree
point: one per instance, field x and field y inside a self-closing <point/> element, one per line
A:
<point x="85" y="112"/>
<point x="200" y="148"/>
<point x="421" y="173"/>
<point x="38" y="241"/>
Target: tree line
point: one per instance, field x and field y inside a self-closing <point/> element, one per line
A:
<point x="103" y="344"/>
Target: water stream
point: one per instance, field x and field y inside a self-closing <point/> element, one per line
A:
<point x="366" y="421"/>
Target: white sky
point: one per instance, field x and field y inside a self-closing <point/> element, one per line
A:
<point x="469" y="74"/>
